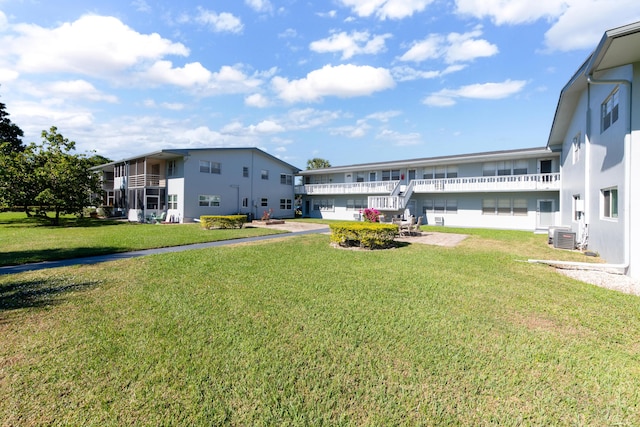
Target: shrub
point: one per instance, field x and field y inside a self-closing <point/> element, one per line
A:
<point x="368" y="235"/>
<point x="222" y="221"/>
<point x="371" y="215"/>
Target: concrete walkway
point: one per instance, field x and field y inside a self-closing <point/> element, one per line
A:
<point x="12" y="269"/>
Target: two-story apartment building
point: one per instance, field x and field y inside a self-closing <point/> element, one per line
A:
<point x="597" y="129"/>
<point x="180" y="185"/>
<point x="516" y="189"/>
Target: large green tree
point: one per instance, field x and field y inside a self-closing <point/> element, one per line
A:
<point x="65" y="181"/>
<point x="18" y="186"/>
<point x="10" y="134"/>
<point x="318" y="163"/>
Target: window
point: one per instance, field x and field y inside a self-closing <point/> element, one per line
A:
<point x="488" y="206"/>
<point x="172" y="199"/>
<point x="439" y="205"/>
<point x="372" y="176"/>
<point x="610" y="203"/>
<point x="520" y="207"/>
<point x="264" y="202"/>
<point x="391" y="175"/>
<point x="427" y="173"/>
<point x="577" y="207"/>
<point x="504" y="206"/>
<point x="209" y="200"/>
<point x="504" y="168"/>
<point x="441" y="172"/>
<point x="285" y="203"/>
<point x="359" y="176"/>
<point x="323" y="205"/>
<point x="286" y="179"/>
<point x="245" y="172"/>
<point x="451" y="206"/>
<point x="356" y="204"/>
<point x="427" y="206"/>
<point x="245" y="202"/>
<point x="489" y="169"/>
<point x="172" y="169"/>
<point x="209" y="167"/>
<point x="576" y="148"/>
<point x="264" y="174"/>
<point x="609" y="110"/>
<point x="520" y="167"/>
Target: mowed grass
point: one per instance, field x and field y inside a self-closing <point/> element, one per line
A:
<point x="25" y="240"/>
<point x="295" y="332"/>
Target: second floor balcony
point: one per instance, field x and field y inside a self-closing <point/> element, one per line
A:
<point x="469" y="184"/>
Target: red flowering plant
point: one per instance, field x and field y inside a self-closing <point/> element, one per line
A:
<point x="371" y="215"/>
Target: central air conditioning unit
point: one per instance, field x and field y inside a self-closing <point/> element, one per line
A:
<point x="564" y="239"/>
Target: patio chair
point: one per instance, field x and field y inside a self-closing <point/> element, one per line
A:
<point x="405" y="227"/>
<point x="414" y="229"/>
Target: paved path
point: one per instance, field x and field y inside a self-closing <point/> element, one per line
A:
<point x="124" y="255"/>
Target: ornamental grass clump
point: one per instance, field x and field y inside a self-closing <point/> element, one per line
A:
<point x="365" y="235"/>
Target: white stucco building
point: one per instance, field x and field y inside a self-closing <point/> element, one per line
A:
<point x="184" y="184"/>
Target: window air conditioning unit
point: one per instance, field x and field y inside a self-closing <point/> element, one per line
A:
<point x="564" y="239"/>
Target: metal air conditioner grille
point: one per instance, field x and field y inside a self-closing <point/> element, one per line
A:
<point x="563" y="239"/>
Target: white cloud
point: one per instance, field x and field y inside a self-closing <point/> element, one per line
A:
<point x="344" y="81"/>
<point x="400" y="139"/>
<point x="219" y="22"/>
<point x="386" y="9"/>
<point x="92" y="45"/>
<point x="447" y="97"/>
<point x="256" y="100"/>
<point x="267" y="126"/>
<point x="78" y="89"/>
<point x="403" y="74"/>
<point x="233" y="80"/>
<point x="358" y="42"/>
<point x="513" y="11"/>
<point x="141" y="6"/>
<point x="264" y="6"/>
<point x="359" y="130"/>
<point x="575" y="24"/>
<point x="582" y="25"/>
<point x="7" y="75"/>
<point x="452" y="48"/>
<point x="189" y="75"/>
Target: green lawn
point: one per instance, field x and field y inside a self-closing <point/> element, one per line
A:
<point x="24" y="240"/>
<point x="296" y="332"/>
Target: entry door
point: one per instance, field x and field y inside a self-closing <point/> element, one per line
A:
<point x="545" y="213"/>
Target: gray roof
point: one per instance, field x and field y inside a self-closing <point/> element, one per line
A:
<point x="441" y="160"/>
<point x="174" y="153"/>
<point x="618" y="46"/>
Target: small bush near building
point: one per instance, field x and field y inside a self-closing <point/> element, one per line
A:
<point x="222" y="221"/>
<point x="367" y="235"/>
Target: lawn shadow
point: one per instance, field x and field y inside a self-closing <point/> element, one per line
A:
<point x="38" y="293"/>
<point x="39" y="255"/>
<point x="40" y="221"/>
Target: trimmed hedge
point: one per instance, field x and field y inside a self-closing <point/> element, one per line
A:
<point x="368" y="235"/>
<point x="222" y="221"/>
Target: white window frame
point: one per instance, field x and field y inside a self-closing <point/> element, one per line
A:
<point x="172" y="201"/>
<point x="205" y="200"/>
<point x="609" y="110"/>
<point x="609" y="203"/>
<point x="286" y="179"/>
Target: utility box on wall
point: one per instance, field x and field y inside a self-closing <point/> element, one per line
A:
<point x="564" y="239"/>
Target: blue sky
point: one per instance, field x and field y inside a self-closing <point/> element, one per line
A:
<point x="349" y="81"/>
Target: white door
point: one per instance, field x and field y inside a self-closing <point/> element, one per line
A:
<point x="545" y="213"/>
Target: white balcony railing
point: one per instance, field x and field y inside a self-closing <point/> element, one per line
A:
<point x="372" y="187"/>
<point x="386" y="203"/>
<point x="148" y="180"/>
<point x="530" y="182"/>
